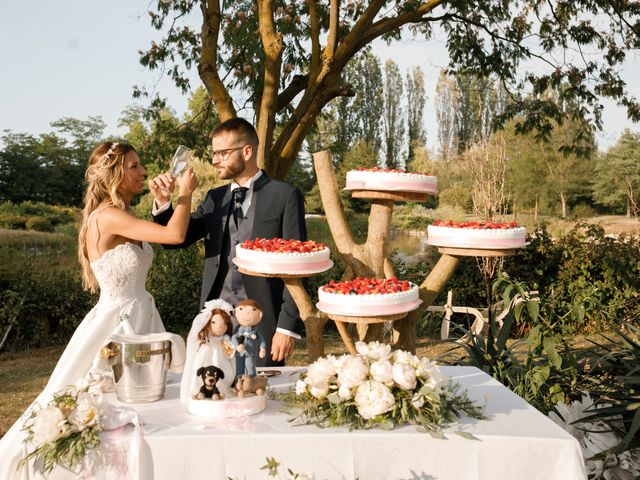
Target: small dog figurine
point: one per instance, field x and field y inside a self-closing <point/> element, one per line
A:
<point x="246" y="385"/>
<point x="210" y="376"/>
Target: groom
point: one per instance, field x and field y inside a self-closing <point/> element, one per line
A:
<point x="252" y="205"/>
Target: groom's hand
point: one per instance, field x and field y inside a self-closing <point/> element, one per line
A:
<point x="162" y="187"/>
<point x="281" y="346"/>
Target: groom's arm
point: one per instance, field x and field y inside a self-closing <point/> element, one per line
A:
<point x="196" y="229"/>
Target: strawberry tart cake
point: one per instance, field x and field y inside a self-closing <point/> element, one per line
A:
<point x="480" y="235"/>
<point x="279" y="256"/>
<point x="390" y="180"/>
<point x="368" y="297"/>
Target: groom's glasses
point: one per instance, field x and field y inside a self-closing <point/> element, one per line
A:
<point x="223" y="154"/>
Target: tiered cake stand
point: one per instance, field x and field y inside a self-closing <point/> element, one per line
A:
<point x="369" y="259"/>
<point x="385" y="200"/>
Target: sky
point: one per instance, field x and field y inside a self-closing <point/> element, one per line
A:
<point x="79" y="58"/>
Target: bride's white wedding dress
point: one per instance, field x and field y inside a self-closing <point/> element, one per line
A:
<point x="121" y="273"/>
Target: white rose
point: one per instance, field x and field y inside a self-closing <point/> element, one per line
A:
<point x="322" y="368"/>
<point x="433" y="377"/>
<point x="401" y="356"/>
<point x="319" y="389"/>
<point x="301" y="387"/>
<point x="345" y="392"/>
<point x="373" y="398"/>
<point x="381" y="371"/>
<point x="49" y="425"/>
<point x="85" y="414"/>
<point x="373" y="350"/>
<point x="353" y="372"/>
<point x="404" y="375"/>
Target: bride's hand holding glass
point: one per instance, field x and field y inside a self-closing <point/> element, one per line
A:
<point x="188" y="182"/>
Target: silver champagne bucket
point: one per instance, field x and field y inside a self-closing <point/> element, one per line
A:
<point x="139" y="369"/>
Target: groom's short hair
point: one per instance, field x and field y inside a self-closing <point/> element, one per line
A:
<point x="240" y="127"/>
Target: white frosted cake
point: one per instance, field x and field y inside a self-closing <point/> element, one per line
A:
<point x="368" y="297"/>
<point x="480" y="235"/>
<point x="390" y="180"/>
<point x="280" y="256"/>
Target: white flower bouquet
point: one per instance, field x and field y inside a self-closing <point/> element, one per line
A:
<point x="66" y="430"/>
<point x="378" y="388"/>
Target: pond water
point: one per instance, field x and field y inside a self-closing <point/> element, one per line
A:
<point x="409" y="248"/>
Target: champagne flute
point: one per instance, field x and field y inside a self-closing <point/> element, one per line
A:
<point x="180" y="162"/>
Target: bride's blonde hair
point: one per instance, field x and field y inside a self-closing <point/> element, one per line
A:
<point x="102" y="178"/>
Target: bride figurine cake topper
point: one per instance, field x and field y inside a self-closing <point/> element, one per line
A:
<point x="209" y="345"/>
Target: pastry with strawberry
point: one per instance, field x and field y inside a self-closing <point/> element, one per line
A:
<point x="391" y="180"/>
<point x="281" y="256"/>
<point x="368" y="297"/>
<point x="476" y="235"/>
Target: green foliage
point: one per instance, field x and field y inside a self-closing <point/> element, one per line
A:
<point x="36" y="216"/>
<point x="617" y="370"/>
<point x="174" y="281"/>
<point x="43" y="301"/>
<point x="593" y="279"/>
<point x="617" y="174"/>
<point x="538" y="368"/>
<point x="156" y="138"/>
<point x="49" y="168"/>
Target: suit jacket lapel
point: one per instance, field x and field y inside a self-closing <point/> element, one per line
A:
<point x="225" y="208"/>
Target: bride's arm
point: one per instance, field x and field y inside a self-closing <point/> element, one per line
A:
<point x="118" y="222"/>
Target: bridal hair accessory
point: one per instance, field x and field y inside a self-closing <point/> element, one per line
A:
<point x="218" y="303"/>
<point x="111" y="150"/>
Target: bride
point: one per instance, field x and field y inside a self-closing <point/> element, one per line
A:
<point x="115" y="257"/>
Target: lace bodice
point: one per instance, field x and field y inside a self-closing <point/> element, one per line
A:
<point x="122" y="271"/>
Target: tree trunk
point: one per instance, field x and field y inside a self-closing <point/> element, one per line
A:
<point x="535" y="210"/>
<point x="563" y="202"/>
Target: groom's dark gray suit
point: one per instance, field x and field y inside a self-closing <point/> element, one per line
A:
<point x="277" y="210"/>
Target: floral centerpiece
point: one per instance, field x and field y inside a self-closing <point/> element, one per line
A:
<point x="378" y="388"/>
<point x="67" y="428"/>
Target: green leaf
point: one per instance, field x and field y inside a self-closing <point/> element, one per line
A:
<point x="533" y="307"/>
<point x="467" y="435"/>
<point x="554" y="357"/>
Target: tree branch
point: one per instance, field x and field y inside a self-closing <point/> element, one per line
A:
<point x="388" y="24"/>
<point x="273" y="47"/>
<point x="208" y="65"/>
<point x="331" y="203"/>
<point x="287" y="154"/>
<point x="314" y="35"/>
<point x="289" y="93"/>
<point x="332" y="38"/>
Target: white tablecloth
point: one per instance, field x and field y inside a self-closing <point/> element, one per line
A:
<point x="517" y="442"/>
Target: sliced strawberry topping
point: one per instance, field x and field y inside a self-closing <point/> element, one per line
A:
<point x="281" y="245"/>
<point x="475" y="225"/>
<point x="367" y="286"/>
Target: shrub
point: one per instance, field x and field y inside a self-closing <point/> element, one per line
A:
<point x="41" y="224"/>
<point x="594" y="277"/>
